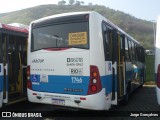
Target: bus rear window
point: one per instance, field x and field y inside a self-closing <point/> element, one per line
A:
<point x="68" y="35"/>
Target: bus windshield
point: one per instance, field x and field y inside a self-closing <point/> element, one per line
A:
<point x="66" y="35"/>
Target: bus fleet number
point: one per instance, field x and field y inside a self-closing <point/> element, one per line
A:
<point x="76" y="80"/>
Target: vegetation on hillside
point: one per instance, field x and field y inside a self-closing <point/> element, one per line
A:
<point x="139" y="29"/>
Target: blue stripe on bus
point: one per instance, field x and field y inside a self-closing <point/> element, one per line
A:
<point x="57" y="79"/>
<point x="1" y="83"/>
<point x="107" y="83"/>
<point x="68" y="79"/>
<point x="57" y="84"/>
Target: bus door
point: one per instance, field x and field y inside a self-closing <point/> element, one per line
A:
<point x="121" y="67"/>
<point x="110" y="37"/>
<point x="114" y="45"/>
<point x="23" y="50"/>
<point x="1" y="70"/>
<point x="4" y="66"/>
<point x="15" y="68"/>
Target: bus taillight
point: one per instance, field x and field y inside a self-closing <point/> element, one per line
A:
<point x="29" y="84"/>
<point x="93" y="88"/>
<point x="158" y="76"/>
<point x="95" y="82"/>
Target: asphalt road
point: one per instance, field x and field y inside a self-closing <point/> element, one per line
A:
<point x="142" y="101"/>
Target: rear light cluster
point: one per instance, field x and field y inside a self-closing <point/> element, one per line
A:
<point x="29" y="84"/>
<point x="158" y="76"/>
<point x="95" y="82"/>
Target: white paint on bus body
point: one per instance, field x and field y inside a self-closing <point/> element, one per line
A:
<point x="157" y="57"/>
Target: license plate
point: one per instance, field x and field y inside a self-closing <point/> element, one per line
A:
<point x="58" y="102"/>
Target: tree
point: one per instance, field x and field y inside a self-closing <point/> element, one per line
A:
<point x="78" y="3"/>
<point x="90" y="4"/>
<point x="71" y="2"/>
<point x="62" y="2"/>
<point x="82" y="2"/>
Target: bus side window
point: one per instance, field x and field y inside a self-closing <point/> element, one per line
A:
<point x="133" y="51"/>
<point x="142" y="54"/>
<point x="105" y="42"/>
<point x="130" y="49"/>
<point x="107" y="36"/>
<point x="136" y="54"/>
<point x="126" y="49"/>
<point x="122" y="47"/>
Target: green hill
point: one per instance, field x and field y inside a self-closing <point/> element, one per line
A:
<point x="141" y="30"/>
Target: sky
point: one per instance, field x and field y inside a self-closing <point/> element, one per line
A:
<point x="143" y="9"/>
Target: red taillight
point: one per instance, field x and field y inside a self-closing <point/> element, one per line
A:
<point x="34" y="94"/>
<point x="29" y="84"/>
<point x="82" y="98"/>
<point x="95" y="82"/>
<point x="94" y="88"/>
<point x="158" y="76"/>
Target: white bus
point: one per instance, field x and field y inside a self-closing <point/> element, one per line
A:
<point x="13" y="64"/>
<point x="82" y="60"/>
<point x="157" y="60"/>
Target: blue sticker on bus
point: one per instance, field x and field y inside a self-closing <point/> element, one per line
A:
<point x="35" y="78"/>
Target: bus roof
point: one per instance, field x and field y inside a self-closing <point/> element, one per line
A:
<point x="13" y="28"/>
<point x="60" y="15"/>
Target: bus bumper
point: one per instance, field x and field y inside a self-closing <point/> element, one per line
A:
<point x="158" y="95"/>
<point x="97" y="101"/>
